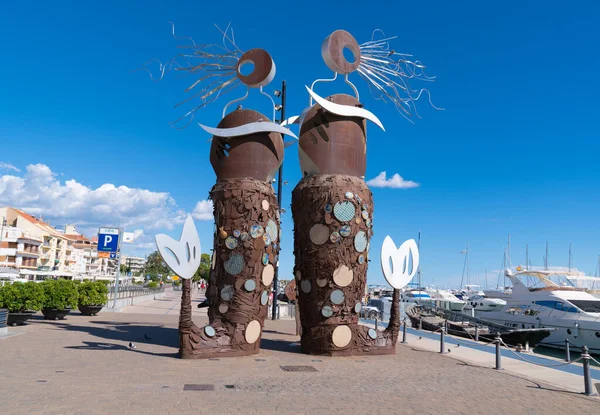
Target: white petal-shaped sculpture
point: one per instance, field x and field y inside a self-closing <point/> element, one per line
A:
<point x="182" y="256"/>
<point x="397" y="272"/>
<point x="345" y="110"/>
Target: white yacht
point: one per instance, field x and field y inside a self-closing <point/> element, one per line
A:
<point x="482" y="303"/>
<point x="574" y="313"/>
<point x="445" y="300"/>
<point x="414" y="297"/>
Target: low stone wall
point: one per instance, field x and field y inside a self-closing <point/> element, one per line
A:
<point x="127" y="301"/>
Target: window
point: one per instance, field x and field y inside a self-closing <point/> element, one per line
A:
<point x="558" y="305"/>
<point x="589" y="306"/>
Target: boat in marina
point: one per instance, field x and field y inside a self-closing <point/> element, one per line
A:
<point x="445" y="300"/>
<point x="539" y="302"/>
<point x="457" y="324"/>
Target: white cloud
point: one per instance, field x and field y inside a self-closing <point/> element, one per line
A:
<point x="40" y="192"/>
<point x="203" y="210"/>
<point x="8" y="166"/>
<point x="394" y="182"/>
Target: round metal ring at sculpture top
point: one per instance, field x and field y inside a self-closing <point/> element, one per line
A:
<point x="332" y="50"/>
<point x="263" y="71"/>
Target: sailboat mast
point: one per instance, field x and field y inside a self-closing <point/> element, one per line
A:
<point x="419" y="249"/>
<point x="526" y="256"/>
<point x="468" y="270"/>
<point x="546" y="258"/>
<point x="569" y="256"/>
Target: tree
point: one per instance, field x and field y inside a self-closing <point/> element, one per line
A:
<point x="156" y="267"/>
<point x="124" y="269"/>
<point x="203" y="272"/>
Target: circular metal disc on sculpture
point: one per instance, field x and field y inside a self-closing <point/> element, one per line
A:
<point x="343" y="276"/>
<point x="360" y="241"/>
<point x="298" y="275"/>
<point x="319" y="234"/>
<point x="265" y="258"/>
<point x="341" y="336"/>
<point x="327" y="311"/>
<point x="365" y="214"/>
<point x="358" y="220"/>
<point x="337" y="297"/>
<point x="252" y="331"/>
<point x="328" y="208"/>
<point x="231" y="242"/>
<point x="344" y="211"/>
<point x="257" y="231"/>
<point x="305" y="286"/>
<point x="357" y="308"/>
<point x="345" y="230"/>
<point x="227" y="292"/>
<point x="335" y="237"/>
<point x="349" y="195"/>
<point x="236" y="233"/>
<point x="332" y="50"/>
<point x="361" y="259"/>
<point x="322" y="282"/>
<point x="244" y="236"/>
<point x="368" y="223"/>
<point x="267" y="275"/>
<point x="372" y="334"/>
<point x="209" y="331"/>
<point x="235" y="264"/>
<point x="267" y="239"/>
<point x="264" y="298"/>
<point x="263" y="71"/>
<point x="223" y="308"/>
<point x="265" y="204"/>
<point x="250" y="285"/>
<point x="272" y="230"/>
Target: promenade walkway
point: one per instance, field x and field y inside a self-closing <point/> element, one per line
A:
<point x="83" y="365"/>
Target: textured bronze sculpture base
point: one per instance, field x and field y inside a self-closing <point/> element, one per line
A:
<point x="332" y="229"/>
<point x="245" y="253"/>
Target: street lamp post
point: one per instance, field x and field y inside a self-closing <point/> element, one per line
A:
<point x="279" y="190"/>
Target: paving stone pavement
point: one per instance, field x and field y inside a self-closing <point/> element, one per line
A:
<point x="83" y="365"/>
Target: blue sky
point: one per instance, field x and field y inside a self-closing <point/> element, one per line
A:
<point x="515" y="151"/>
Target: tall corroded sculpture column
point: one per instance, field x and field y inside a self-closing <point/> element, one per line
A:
<point x="246" y="152"/>
<point x="333" y="207"/>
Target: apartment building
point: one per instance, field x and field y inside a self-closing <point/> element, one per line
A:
<point x="134" y="263"/>
<point x="18" y="248"/>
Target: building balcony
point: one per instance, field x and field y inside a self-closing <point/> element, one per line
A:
<point x="28" y="254"/>
<point x="29" y="266"/>
<point x="46" y="246"/>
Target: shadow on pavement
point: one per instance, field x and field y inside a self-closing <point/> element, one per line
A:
<point x="125" y="332"/>
<point x="280" y="345"/>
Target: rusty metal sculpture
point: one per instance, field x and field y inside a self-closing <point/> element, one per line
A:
<point x="245" y="153"/>
<point x="333" y="207"/>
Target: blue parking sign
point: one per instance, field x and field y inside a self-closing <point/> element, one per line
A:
<point x="108" y="239"/>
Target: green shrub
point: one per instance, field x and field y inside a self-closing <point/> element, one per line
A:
<point x="177" y="283"/>
<point x="11" y="297"/>
<point x="153" y="284"/>
<point x="92" y="293"/>
<point x="34" y="295"/>
<point x="60" y="294"/>
<point x="105" y="282"/>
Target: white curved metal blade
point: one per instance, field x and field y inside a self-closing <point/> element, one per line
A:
<point x="345" y="110"/>
<point x="247" y="129"/>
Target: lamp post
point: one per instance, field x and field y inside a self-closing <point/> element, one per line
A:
<point x="280" y="94"/>
<point x="1" y="234"/>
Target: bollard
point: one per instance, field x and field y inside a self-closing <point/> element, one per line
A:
<point x="567" y="351"/>
<point x="404" y="332"/>
<point x="420" y="323"/>
<point x="375" y="324"/>
<point x="476" y="332"/>
<point x="442" y="343"/>
<point x="498" y="354"/>
<point x="446" y="326"/>
<point x="587" y="377"/>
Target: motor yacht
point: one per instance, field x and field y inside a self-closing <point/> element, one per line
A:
<point x="538" y="302"/>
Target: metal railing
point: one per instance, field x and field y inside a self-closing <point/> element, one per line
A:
<point x="131" y="291"/>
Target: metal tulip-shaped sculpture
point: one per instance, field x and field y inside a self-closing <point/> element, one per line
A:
<point x="332" y="205"/>
<point x="399" y="266"/>
<point x="246" y="151"/>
